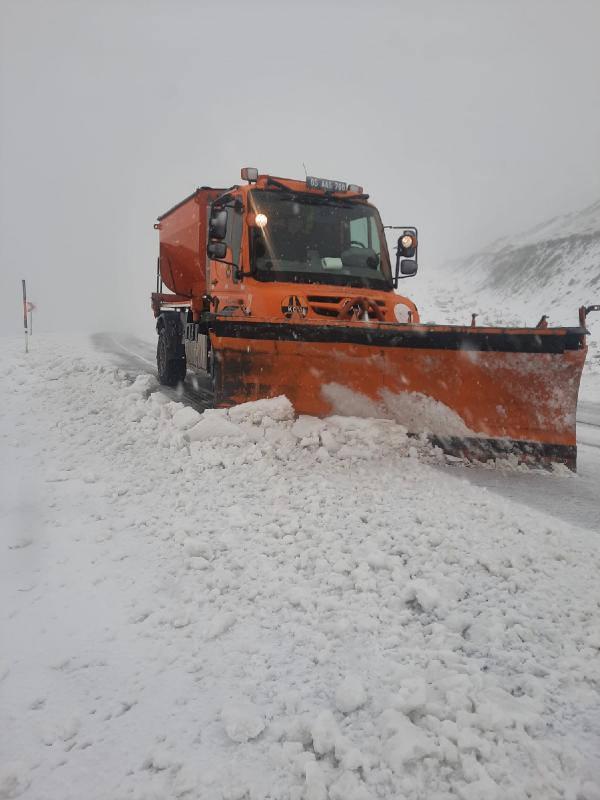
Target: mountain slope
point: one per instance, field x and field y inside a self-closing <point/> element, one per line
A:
<point x="552" y="269"/>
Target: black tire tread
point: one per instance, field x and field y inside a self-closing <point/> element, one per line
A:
<point x="170" y="365"/>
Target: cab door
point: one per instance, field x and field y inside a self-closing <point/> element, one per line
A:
<point x="222" y="275"/>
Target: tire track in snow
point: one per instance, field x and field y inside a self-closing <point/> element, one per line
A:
<point x="190" y="392"/>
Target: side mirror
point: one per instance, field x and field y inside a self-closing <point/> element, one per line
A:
<point x="216" y="250"/>
<point x="218" y="224"/>
<point x="408" y="267"/>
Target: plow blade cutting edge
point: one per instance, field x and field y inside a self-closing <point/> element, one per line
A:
<point x="480" y="393"/>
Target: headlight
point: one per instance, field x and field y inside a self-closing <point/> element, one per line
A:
<point x="402" y="313"/>
<point x="407" y="241"/>
<point x="261" y="220"/>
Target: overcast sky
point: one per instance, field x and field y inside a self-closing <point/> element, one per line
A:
<point x="469" y="119"/>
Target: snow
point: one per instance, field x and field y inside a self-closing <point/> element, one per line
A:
<point x="305" y="609"/>
<point x="213" y="427"/>
<point x="278" y="409"/>
<point x="413" y="410"/>
<point x="242" y="721"/>
<point x="406" y="742"/>
<point x="350" y="695"/>
<point x="589" y="390"/>
<point x="185" y="418"/>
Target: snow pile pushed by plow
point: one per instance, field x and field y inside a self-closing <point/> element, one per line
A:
<point x="246" y="605"/>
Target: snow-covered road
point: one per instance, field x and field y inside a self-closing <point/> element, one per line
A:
<point x="567" y="497"/>
<point x="243" y="606"/>
<point x="588" y="423"/>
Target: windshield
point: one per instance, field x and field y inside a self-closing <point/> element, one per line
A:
<point x="317" y="240"/>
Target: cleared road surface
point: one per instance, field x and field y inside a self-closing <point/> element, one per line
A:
<point x="573" y="498"/>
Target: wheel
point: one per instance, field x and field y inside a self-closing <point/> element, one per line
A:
<point x="170" y="365"/>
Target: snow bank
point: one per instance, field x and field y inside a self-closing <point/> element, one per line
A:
<point x="248" y="605"/>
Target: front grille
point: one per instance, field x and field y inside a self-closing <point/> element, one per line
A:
<point x="327" y="306"/>
<point x="325" y="312"/>
<point x="317" y="298"/>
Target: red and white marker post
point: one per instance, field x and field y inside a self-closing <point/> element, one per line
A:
<point x="28" y="308"/>
<point x="25" y="316"/>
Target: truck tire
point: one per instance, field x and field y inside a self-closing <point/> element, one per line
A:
<point x="170" y="362"/>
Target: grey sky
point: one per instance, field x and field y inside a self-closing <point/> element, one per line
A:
<point x="468" y="119"/>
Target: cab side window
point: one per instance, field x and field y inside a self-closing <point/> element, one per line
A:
<point x="359" y="232"/>
<point x="363" y="232"/>
<point x="374" y="240"/>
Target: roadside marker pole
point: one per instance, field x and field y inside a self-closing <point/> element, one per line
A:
<point x="25" y="317"/>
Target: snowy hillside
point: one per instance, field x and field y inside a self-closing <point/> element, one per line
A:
<point x="552" y="269"/>
<point x="241" y="605"/>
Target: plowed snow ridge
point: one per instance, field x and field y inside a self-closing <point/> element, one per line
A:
<point x="244" y="605"/>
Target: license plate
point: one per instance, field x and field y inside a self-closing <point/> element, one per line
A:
<point x="326" y="185"/>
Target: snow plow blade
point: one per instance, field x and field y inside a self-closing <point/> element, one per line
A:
<point x="479" y="393"/>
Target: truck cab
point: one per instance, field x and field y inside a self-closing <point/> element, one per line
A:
<point x="313" y="250"/>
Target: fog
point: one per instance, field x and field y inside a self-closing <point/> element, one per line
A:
<point x="468" y="119"/>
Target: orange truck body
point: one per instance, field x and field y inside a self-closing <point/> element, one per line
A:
<point x="338" y="348"/>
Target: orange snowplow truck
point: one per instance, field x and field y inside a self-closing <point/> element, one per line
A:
<point x="286" y="287"/>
